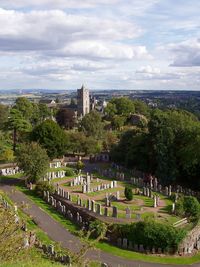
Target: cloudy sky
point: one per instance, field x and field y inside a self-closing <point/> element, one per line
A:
<point x="105" y="44"/>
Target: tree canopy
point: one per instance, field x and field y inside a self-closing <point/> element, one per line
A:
<point x="50" y="136"/>
<point x="33" y="160"/>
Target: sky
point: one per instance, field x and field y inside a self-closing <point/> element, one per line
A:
<point x="104" y="44"/>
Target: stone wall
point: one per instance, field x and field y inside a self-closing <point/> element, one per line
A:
<point x="191" y="242"/>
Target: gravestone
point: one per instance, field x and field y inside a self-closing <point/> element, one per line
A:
<point x="93" y="206"/>
<point x="114" y="212"/>
<point x="128" y="213"/>
<point x="99" y="208"/>
<point x="106" y="211"/>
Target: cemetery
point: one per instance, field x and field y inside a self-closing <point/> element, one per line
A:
<point x="98" y="196"/>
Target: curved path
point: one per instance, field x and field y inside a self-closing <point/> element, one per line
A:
<point x="59" y="234"/>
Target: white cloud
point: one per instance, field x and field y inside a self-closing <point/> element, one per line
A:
<point x="186" y="54"/>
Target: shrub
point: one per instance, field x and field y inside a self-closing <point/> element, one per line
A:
<point x="80" y="165"/>
<point x="43" y="186"/>
<point x="188" y="206"/>
<point x="128" y="193"/>
<point x="69" y="172"/>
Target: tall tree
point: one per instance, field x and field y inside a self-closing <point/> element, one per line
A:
<point x="18" y="124"/>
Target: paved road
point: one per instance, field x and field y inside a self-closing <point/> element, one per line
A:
<point x="59" y="234"/>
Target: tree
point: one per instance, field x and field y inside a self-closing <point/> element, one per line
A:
<point x="91" y="146"/>
<point x="18" y="124"/>
<point x="7" y="155"/>
<point x="49" y="135"/>
<point x="128" y="193"/>
<point x="122" y="106"/>
<point x="11" y="237"/>
<point x="25" y="107"/>
<point x="33" y="159"/>
<point x="110" y="139"/>
<point x="4" y="113"/>
<point x="191" y="207"/>
<point x="66" y="118"/>
<point x="118" y="122"/>
<point x="80" y="165"/>
<point x="92" y="125"/>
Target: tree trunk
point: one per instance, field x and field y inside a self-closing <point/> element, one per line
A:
<point x="14" y="139"/>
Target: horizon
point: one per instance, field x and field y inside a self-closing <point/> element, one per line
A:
<point x="125" y="45"/>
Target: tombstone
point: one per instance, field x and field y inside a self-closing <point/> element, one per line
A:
<point x="138" y="216"/>
<point x="77" y="216"/>
<point x="155" y="184"/>
<point x="119" y="242"/>
<point x="118" y="195"/>
<point x="128" y="213"/>
<point x="114" y="184"/>
<point x="84" y="188"/>
<point x="170" y="191"/>
<point x="150" y="193"/>
<point x="111" y="184"/>
<point x="147" y="192"/>
<point x="89" y="204"/>
<point x="114" y="212"/>
<point x="99" y="208"/>
<point x="155" y="201"/>
<point x="51" y="249"/>
<point x="124" y="243"/>
<point x="173" y="207"/>
<point x="106" y="212"/>
<point x="158" y="200"/>
<point x="93" y="206"/>
<point x="166" y="191"/>
<point x="160" y="188"/>
<point x="130" y="245"/>
<point x="141" y="248"/>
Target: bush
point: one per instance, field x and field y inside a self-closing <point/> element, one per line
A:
<point x="189" y="207"/>
<point x="80" y="165"/>
<point x="43" y="186"/>
<point x="128" y="193"/>
<point x="69" y="172"/>
<point x="150" y="234"/>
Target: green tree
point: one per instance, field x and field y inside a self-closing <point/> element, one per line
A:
<point x="4" y="113"/>
<point x="66" y="118"/>
<point x="33" y="159"/>
<point x="11" y="237"/>
<point x="91" y="146"/>
<point x="128" y="193"/>
<point x="92" y="125"/>
<point x="51" y="137"/>
<point x="18" y="124"/>
<point x="25" y="107"/>
<point x="191" y="207"/>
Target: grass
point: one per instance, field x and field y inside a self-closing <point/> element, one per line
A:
<point x="18" y="176"/>
<point x="110" y="190"/>
<point x="49" y="209"/>
<point x="131" y="255"/>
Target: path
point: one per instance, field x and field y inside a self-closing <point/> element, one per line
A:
<point x="59" y="234"/>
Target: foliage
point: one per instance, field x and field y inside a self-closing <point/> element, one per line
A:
<point x="51" y="137"/>
<point x="66" y="118"/>
<point x="188" y="206"/>
<point x="42" y="186"/>
<point x="69" y="172"/>
<point x="151" y="234"/>
<point x="80" y="165"/>
<point x="33" y="159"/>
<point x="128" y="193"/>
<point x="168" y="149"/>
<point x="7" y="155"/>
<point x="11" y="238"/>
<point x="92" y="125"/>
<point x="4" y="113"/>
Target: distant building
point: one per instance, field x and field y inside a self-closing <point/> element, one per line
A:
<point x="83" y="101"/>
<point x="49" y="102"/>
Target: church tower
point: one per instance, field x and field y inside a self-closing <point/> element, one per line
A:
<point x="83" y="101"/>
